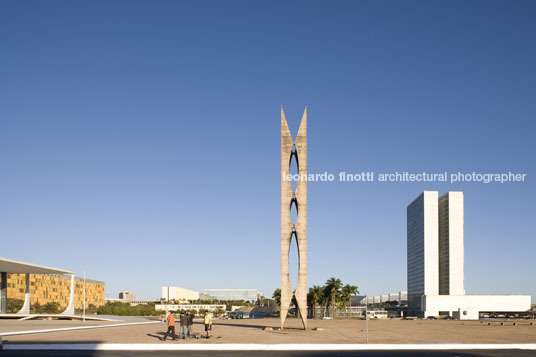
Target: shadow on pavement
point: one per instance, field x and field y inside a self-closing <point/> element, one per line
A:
<point x="218" y="323"/>
<point x="159" y="335"/>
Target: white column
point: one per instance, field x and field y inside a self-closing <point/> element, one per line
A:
<point x="70" y="308"/>
<point x="84" y="300"/>
<point x="3" y="294"/>
<point x="25" y="310"/>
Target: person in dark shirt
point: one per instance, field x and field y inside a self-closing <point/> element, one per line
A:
<point x="190" y="323"/>
<point x="184" y="325"/>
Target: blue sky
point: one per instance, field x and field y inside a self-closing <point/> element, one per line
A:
<point x="139" y="140"/>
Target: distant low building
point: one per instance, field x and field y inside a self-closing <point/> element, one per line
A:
<point x="170" y="293"/>
<point x="32" y="285"/>
<point x="358" y="300"/>
<point x="398" y="298"/>
<point x="179" y="294"/>
<point x="184" y="307"/>
<point x="142" y="302"/>
<point x="251" y="295"/>
<point x="132" y="302"/>
<point x="127" y="296"/>
<point x="377" y="314"/>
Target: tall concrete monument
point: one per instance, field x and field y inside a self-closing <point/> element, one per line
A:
<point x="294" y="150"/>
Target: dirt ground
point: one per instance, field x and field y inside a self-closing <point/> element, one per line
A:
<point x="254" y="331"/>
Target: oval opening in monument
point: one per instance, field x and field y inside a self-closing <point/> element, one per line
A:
<point x="293" y="170"/>
<point x="293" y="212"/>
<point x="293" y="259"/>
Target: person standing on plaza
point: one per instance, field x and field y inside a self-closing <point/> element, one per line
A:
<point x="171" y="326"/>
<point x="184" y="325"/>
<point x="208" y="323"/>
<point x="190" y="322"/>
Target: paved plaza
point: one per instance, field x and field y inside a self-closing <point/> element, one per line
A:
<point x="257" y="331"/>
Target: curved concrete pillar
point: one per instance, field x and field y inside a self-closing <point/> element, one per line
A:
<point x="70" y="308"/>
<point x="294" y="150"/>
<point x="25" y="310"/>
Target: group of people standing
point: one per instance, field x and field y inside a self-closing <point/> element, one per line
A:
<point x="186" y="320"/>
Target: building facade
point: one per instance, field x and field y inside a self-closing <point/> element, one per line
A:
<point x="251" y="295"/>
<point x="422" y="249"/>
<point x="55" y="288"/>
<point x="401" y="298"/>
<point x="179" y="294"/>
<point x="451" y="228"/>
<point x="185" y="307"/>
<point x="127" y="296"/>
<point x="435" y="262"/>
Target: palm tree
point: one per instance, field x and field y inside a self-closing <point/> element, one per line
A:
<point x="316" y="293"/>
<point x="323" y="301"/>
<point x="277" y="296"/>
<point x="347" y="292"/>
<point x="332" y="288"/>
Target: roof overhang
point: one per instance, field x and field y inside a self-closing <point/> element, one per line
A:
<point x="13" y="266"/>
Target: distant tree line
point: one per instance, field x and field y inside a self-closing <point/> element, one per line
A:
<point x="14" y="305"/>
<point x="121" y="308"/>
<point x="48" y="308"/>
<point x="125" y="309"/>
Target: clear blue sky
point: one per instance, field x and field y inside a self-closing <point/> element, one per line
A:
<point x="139" y="140"/>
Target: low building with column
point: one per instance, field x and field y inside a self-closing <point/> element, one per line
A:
<point x="38" y="284"/>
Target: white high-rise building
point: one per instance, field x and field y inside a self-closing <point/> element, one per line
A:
<point x="423" y="238"/>
<point x="451" y="255"/>
<point x="435" y="233"/>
